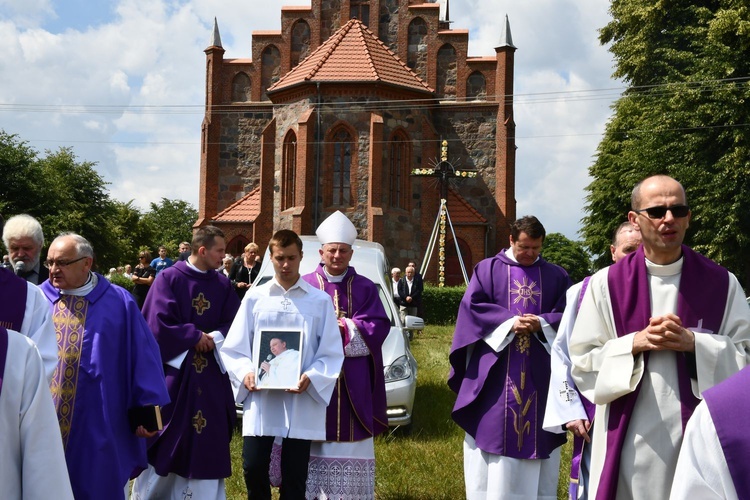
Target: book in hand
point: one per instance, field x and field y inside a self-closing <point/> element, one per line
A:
<point x="147" y="416"/>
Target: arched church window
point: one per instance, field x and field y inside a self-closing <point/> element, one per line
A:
<point x="288" y="170"/>
<point x="361" y="10"/>
<point x="476" y="87"/>
<point x="446" y="72"/>
<point x="300" y="42"/>
<point x="241" y="88"/>
<point x="416" y="56"/>
<point x="270" y="69"/>
<point x="342" y="152"/>
<point x="399" y="158"/>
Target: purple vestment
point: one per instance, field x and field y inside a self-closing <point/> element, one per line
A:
<point x="182" y="305"/>
<point x="13" y="292"/>
<point x="729" y="405"/>
<point x="358" y="408"/>
<point x="498" y="391"/>
<point x="701" y="301"/>
<point x="108" y="363"/>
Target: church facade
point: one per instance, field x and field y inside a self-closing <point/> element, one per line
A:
<point x="350" y="107"/>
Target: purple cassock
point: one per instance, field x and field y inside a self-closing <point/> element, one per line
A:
<point x="701" y="302"/>
<point x="729" y="405"/>
<point x="501" y="395"/>
<point x="357" y="409"/>
<point x="182" y="305"/>
<point x="13" y="292"/>
<point x="108" y="363"/>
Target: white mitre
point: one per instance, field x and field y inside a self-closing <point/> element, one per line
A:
<point x="337" y="228"/>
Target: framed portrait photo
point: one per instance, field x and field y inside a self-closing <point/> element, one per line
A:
<point x="278" y="356"/>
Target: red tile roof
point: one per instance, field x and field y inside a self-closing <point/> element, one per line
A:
<point x="246" y="209"/>
<point x="461" y="212"/>
<point x="353" y="54"/>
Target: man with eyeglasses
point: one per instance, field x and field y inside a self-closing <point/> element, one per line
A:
<point x="109" y="364"/>
<point x="654" y="331"/>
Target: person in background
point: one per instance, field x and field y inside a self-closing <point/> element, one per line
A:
<point x="142" y="277"/>
<point x="227" y="266"/>
<point x="410" y="293"/>
<point x="395" y="278"/>
<point x="245" y="269"/>
<point x="161" y="262"/>
<point x="127" y="271"/>
<point x="24" y="239"/>
<point x="184" y="250"/>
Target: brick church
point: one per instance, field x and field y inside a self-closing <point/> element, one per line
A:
<point x="339" y="108"/>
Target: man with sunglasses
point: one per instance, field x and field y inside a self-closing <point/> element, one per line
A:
<point x="654" y="331"/>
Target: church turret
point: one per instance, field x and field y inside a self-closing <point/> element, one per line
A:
<point x="505" y="171"/>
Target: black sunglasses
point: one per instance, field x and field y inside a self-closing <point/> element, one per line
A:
<point x="678" y="211"/>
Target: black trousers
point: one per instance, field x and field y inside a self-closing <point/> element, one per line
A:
<point x="256" y="457"/>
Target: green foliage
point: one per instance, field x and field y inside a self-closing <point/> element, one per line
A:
<point x="68" y="195"/>
<point x="172" y="221"/>
<point x="120" y="280"/>
<point x="568" y="254"/>
<point x="686" y="115"/>
<point x="440" y="305"/>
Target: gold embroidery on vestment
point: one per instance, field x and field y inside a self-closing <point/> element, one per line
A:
<point x="199" y="362"/>
<point x="201" y="303"/>
<point x="199" y="422"/>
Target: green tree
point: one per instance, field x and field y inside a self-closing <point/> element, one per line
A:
<point x="568" y="254"/>
<point x="20" y="178"/>
<point x="685" y="114"/>
<point x="171" y="221"/>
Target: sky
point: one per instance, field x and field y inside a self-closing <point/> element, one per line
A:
<point x="122" y="82"/>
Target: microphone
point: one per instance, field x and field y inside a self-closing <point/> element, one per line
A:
<point x="19" y="267"/>
<point x="263" y="372"/>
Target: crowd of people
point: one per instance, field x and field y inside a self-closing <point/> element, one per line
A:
<point x="99" y="386"/>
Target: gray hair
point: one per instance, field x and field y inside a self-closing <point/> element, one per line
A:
<point x="23" y="226"/>
<point x="83" y="247"/>
<point x="395" y="270"/>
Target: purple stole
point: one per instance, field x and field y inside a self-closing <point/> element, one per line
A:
<point x="701" y="302"/>
<point x="521" y="395"/>
<point x="3" y="354"/>
<point x="69" y="317"/>
<point x="729" y="407"/>
<point x="590" y="408"/>
<point x="13" y="292"/>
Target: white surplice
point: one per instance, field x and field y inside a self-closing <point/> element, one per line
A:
<point x="38" y="326"/>
<point x="32" y="462"/>
<point x="702" y="470"/>
<point x="275" y="412"/>
<point x="605" y="369"/>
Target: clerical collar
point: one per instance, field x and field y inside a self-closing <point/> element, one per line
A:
<point x="192" y="266"/>
<point x="335" y="279"/>
<point x="509" y="254"/>
<point x="664" y="269"/>
<point x="85" y="289"/>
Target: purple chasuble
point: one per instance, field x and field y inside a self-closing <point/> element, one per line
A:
<point x="357" y="409"/>
<point x="13" y="292"/>
<point x="729" y="405"/>
<point x="498" y="392"/>
<point x="108" y="363"/>
<point x="3" y="354"/>
<point x="701" y="303"/>
<point x="182" y="305"/>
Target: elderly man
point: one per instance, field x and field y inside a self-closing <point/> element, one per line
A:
<point x="654" y="331"/>
<point x="357" y="411"/>
<point x="500" y="369"/>
<point x="24" y="239"/>
<point x="410" y="294"/>
<point x="109" y="364"/>
<point x="566" y="410"/>
<point x="189" y="309"/>
<point x="295" y="415"/>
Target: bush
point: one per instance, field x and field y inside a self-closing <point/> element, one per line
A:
<point x="119" y="279"/>
<point x="440" y="305"/>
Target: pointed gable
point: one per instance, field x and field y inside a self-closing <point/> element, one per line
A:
<point x="246" y="209"/>
<point x="353" y="54"/>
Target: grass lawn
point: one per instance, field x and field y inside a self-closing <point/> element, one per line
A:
<point x="425" y="462"/>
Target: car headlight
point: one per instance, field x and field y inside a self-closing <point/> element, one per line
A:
<point x="398" y="370"/>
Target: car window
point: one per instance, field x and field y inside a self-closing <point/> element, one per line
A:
<point x="387" y="301"/>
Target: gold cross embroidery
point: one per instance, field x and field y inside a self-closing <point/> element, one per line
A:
<point x="201" y="303"/>
<point x="199" y="422"/>
<point x="199" y="362"/>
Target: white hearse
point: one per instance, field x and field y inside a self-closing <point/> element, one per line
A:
<point x="399" y="364"/>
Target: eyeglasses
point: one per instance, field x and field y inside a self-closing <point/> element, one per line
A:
<point x="141" y="256"/>
<point x="678" y="211"/>
<point x="61" y="263"/>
